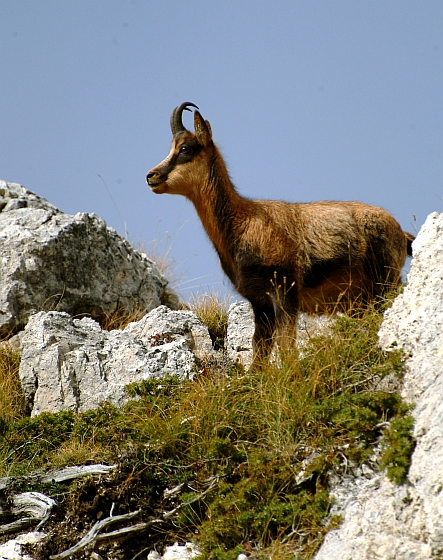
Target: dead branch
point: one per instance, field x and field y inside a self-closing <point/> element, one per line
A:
<point x="60" y="475"/>
<point x="34" y="508"/>
<point x="213" y="481"/>
<point x="69" y="473"/>
<point x="17" y="526"/>
<point x="34" y="505"/>
<point x="97" y="534"/>
<point x="93" y="534"/>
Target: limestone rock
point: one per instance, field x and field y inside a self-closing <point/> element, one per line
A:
<point x="241" y="330"/>
<point x="176" y="552"/>
<point x="381" y="520"/>
<point x="14" y="548"/>
<point x="415" y="321"/>
<point x="173" y="324"/>
<point x="53" y="260"/>
<point x="72" y="364"/>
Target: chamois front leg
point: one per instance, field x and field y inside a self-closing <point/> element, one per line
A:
<point x="286" y="327"/>
<point x="279" y="316"/>
<point x="263" y="334"/>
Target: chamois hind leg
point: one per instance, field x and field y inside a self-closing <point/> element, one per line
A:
<point x="383" y="272"/>
<point x="263" y="334"/>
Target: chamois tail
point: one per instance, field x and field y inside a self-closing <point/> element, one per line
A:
<point x="409" y="239"/>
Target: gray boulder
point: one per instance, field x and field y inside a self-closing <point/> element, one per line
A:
<point x="53" y="260"/>
<point x="383" y="521"/>
<point x="72" y="364"/>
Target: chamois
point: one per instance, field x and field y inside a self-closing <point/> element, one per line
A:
<point x="282" y="257"/>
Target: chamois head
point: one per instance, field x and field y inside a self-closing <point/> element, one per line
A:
<point x="186" y="163"/>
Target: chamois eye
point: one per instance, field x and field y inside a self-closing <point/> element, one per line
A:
<point x="185" y="150"/>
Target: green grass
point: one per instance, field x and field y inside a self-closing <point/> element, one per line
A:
<point x="398" y="446"/>
<point x="254" y="449"/>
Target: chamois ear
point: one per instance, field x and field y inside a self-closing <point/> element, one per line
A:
<point x="203" y="130"/>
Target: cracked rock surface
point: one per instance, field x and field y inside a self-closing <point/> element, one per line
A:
<point x="72" y="364"/>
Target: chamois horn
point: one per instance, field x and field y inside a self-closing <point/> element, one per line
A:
<point x="176" y="117"/>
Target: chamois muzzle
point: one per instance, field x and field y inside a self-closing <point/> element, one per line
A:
<point x="176" y="117"/>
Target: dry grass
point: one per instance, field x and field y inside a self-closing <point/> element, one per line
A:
<point x="121" y="318"/>
<point x="12" y="400"/>
<point x="168" y="268"/>
<point x="212" y="310"/>
<point x="78" y="452"/>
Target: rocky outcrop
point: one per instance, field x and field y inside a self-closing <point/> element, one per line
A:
<point x="175" y="325"/>
<point x="382" y="521"/>
<point x="76" y="264"/>
<point x="72" y="364"/>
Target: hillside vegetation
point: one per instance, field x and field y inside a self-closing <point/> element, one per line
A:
<point x="246" y="457"/>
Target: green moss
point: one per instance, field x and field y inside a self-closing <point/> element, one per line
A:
<point x="398" y="443"/>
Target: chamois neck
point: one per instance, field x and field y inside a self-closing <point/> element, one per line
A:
<point x="222" y="210"/>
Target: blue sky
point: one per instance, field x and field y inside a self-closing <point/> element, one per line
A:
<point x="308" y="100"/>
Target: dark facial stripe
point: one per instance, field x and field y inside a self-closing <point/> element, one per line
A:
<point x="181" y="157"/>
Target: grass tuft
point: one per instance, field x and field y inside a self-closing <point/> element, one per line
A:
<point x="212" y="310"/>
<point x="121" y="318"/>
<point x="12" y="399"/>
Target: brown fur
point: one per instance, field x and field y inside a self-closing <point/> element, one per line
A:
<point x="283" y="257"/>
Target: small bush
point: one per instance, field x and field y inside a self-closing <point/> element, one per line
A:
<point x="398" y="446"/>
<point x="30" y="442"/>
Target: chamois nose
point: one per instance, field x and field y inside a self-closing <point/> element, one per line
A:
<point x="149" y="176"/>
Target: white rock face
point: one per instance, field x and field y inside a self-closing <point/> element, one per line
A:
<point x="176" y="552"/>
<point x="240" y="332"/>
<point x="52" y="260"/>
<point x="182" y="324"/>
<point x="381" y="520"/>
<point x="72" y="364"/>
